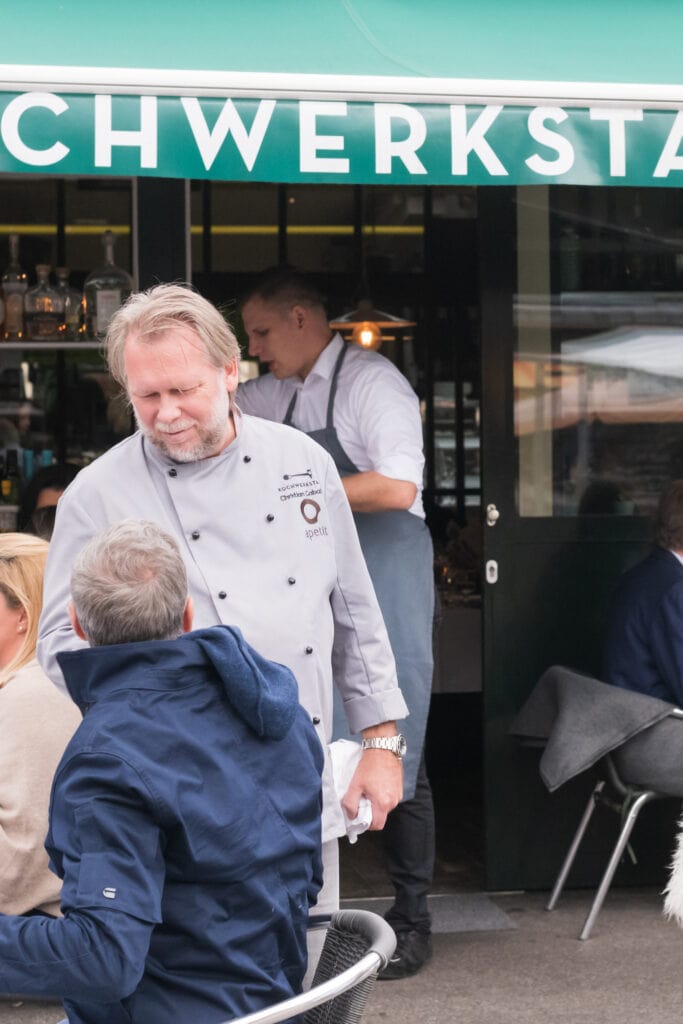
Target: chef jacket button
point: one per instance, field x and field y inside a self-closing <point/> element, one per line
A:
<point x="316" y="720"/>
<point x="173" y="472"/>
<point x="247" y="458"/>
<point x="309" y="650"/>
<point x="291" y="581"/>
<point x="270" y="517"/>
<point x="222" y="594"/>
<point x="195" y="535"/>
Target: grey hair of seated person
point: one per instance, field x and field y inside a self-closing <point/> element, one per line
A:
<point x="129" y="584"/>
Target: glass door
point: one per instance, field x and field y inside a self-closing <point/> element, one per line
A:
<point x="582" y="396"/>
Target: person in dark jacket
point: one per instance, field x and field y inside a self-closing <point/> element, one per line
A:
<point x="185" y="813"/>
<point x="644" y="643"/>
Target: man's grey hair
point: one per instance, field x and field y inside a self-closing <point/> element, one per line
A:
<point x="167" y="307"/>
<point x="129" y="584"/>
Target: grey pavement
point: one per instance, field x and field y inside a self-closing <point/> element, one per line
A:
<point x="540" y="973"/>
<point x="537" y="973"/>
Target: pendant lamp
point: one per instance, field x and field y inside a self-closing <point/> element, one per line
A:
<point x="369" y="327"/>
<point x="365" y="325"/>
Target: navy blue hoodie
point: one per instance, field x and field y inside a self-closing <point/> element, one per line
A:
<point x="185" y="822"/>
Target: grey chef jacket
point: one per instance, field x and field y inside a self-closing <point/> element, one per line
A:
<point x="269" y="543"/>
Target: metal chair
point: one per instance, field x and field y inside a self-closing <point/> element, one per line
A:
<point x="625" y="800"/>
<point x="357" y="945"/>
<point x="629" y="738"/>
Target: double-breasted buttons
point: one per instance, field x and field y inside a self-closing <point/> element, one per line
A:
<point x="291" y="581"/>
<point x="222" y="595"/>
<point x="316" y="720"/>
<point x="309" y="650"/>
<point x="270" y="517"/>
<point x="173" y="472"/>
<point x="246" y="458"/>
<point x="195" y="535"/>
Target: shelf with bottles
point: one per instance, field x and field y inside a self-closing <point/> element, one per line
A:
<point x="54" y="344"/>
<point x="55" y="314"/>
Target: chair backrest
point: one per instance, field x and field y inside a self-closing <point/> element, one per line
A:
<point x="357" y="945"/>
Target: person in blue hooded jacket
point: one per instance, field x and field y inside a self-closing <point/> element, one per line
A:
<point x="185" y="813"/>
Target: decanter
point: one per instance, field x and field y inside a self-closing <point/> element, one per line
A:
<point x="72" y="305"/>
<point x="104" y="291"/>
<point x="43" y="308"/>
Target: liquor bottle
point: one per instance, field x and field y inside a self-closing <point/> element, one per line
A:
<point x="72" y="305"/>
<point x="104" y="291"/>
<point x="14" y="284"/>
<point x="28" y="459"/>
<point x="43" y="307"/>
<point x="11" y="480"/>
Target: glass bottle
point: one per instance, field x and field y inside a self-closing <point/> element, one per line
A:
<point x="43" y="307"/>
<point x="105" y="289"/>
<point x="14" y="284"/>
<point x="72" y="305"/>
<point x="11" y="480"/>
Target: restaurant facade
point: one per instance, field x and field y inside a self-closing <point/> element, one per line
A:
<point x="509" y="187"/>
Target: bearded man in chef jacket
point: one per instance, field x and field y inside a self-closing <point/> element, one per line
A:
<point x="263" y="524"/>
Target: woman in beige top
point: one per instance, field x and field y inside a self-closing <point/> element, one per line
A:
<point x="36" y="723"/>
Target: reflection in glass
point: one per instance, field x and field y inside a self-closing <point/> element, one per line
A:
<point x="598" y="372"/>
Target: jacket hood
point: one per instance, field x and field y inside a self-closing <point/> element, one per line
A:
<point x="262" y="692"/>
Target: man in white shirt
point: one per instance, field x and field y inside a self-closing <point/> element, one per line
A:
<point x="263" y="525"/>
<point x="361" y="409"/>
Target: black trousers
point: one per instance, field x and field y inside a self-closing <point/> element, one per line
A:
<point x="408" y="841"/>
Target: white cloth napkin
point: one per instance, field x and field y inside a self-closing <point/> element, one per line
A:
<point x="344" y="757"/>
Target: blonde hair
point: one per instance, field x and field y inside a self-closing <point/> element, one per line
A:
<point x="167" y="307"/>
<point x="22" y="567"/>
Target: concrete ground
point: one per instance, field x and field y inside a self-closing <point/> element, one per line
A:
<point x="538" y="973"/>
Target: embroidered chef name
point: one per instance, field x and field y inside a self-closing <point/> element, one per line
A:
<point x="306" y="491"/>
<point x="299" y="489"/>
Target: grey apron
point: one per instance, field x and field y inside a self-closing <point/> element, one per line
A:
<point x="398" y="550"/>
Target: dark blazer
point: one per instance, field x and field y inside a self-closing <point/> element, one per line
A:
<point x="644" y="645"/>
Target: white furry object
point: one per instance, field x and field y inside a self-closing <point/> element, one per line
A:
<point x="673" y="894"/>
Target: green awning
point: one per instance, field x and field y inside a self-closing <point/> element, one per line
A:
<point x="346" y="91"/>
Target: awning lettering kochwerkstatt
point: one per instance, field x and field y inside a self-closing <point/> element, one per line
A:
<point x="342" y="142"/>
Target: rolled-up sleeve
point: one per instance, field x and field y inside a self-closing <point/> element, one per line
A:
<point x="386" y="414"/>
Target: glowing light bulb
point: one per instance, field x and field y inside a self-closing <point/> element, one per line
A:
<point x="367" y="335"/>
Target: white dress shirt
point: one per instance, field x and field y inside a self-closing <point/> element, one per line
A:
<point x="376" y="412"/>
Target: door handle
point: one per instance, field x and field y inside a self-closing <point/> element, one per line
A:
<point x="492" y="515"/>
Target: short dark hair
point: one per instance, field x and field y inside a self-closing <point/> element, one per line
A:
<point x="285" y="286"/>
<point x="670" y="517"/>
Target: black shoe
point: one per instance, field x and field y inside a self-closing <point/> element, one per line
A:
<point x="413" y="950"/>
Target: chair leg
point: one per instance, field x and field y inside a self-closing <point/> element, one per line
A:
<point x="576" y="841"/>
<point x="626" y="830"/>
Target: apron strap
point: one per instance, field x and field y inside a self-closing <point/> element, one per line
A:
<point x="333" y="385"/>
<point x="333" y="391"/>
<point x="290" y="410"/>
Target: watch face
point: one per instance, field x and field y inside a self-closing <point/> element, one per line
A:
<point x="402" y="745"/>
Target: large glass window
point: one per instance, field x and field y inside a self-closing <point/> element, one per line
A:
<point x="598" y="367"/>
<point x="58" y="403"/>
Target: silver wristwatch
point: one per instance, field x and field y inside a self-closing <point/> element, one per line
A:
<point x="396" y="744"/>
